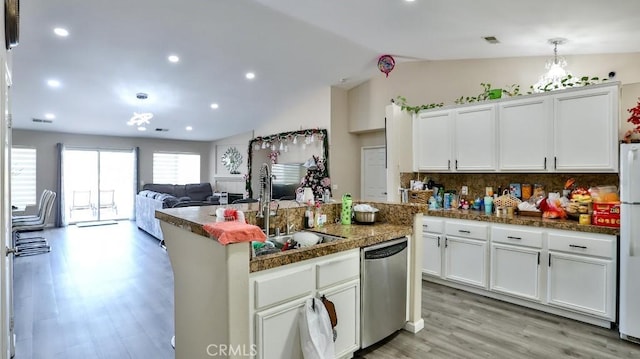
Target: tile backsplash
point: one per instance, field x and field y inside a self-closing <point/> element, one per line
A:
<point x="553" y="182"/>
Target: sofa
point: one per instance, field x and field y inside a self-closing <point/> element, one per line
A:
<point x="155" y="196"/>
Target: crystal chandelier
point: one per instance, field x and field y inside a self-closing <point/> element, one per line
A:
<point x="556" y="72"/>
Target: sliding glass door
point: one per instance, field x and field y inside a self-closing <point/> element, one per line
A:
<point x="98" y="184"/>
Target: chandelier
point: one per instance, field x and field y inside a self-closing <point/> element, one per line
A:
<point x="140" y="119"/>
<point x="555" y="67"/>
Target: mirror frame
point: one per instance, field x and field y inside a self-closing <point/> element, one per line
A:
<point x="281" y="137"/>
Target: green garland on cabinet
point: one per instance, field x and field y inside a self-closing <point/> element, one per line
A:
<point x="568" y="81"/>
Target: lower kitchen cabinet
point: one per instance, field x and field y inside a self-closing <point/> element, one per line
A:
<point x="581" y="273"/>
<point x="277" y="332"/>
<point x="346" y="299"/>
<point x="432" y="254"/>
<point x="581" y="283"/>
<point x="465" y="260"/>
<point x="278" y="295"/>
<point x="515" y="271"/>
<point x="563" y="272"/>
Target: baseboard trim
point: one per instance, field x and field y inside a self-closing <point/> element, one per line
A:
<point x="414" y="327"/>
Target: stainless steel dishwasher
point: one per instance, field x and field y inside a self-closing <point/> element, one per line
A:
<point x="384" y="290"/>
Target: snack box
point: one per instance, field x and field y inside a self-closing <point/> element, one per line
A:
<point x="606" y="214"/>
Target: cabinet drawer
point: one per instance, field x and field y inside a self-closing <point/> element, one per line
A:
<point x="285" y="286"/>
<point x="338" y="270"/>
<point x="432" y="225"/>
<point x="466" y="230"/>
<point x="594" y="246"/>
<point x="520" y="237"/>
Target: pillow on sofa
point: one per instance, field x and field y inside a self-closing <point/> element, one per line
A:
<point x="168" y="201"/>
<point x="158" y="187"/>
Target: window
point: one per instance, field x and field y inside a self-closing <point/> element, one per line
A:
<point x="176" y="168"/>
<point x="23" y="177"/>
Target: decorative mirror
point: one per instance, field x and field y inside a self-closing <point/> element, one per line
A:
<point x="290" y="149"/>
<point x="231" y="160"/>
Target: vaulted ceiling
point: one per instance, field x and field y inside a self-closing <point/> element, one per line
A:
<point x="116" y="49"/>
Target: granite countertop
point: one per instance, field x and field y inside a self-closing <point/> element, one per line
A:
<point x="523" y="221"/>
<point x="395" y="220"/>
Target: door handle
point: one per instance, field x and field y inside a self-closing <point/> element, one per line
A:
<point x="446" y="240"/>
<point x="456" y="164"/>
<point x="538" y="258"/>
<point x="438" y="241"/>
<point x="577" y="246"/>
<point x="512" y="237"/>
<point x="545" y="163"/>
<point x="555" y="163"/>
<point x="464" y="231"/>
<point x="448" y="164"/>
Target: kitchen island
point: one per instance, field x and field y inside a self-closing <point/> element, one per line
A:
<point x="220" y="291"/>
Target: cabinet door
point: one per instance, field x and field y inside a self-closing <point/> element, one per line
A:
<point x="582" y="284"/>
<point x="432" y="145"/>
<point x="475" y="138"/>
<point x="586" y="130"/>
<point x="515" y="270"/>
<point x="431" y="254"/>
<point x="346" y="299"/>
<point x="277" y="332"/>
<point x="525" y="130"/>
<point x="465" y="261"/>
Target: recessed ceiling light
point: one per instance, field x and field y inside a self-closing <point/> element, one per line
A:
<point x="188" y="128"/>
<point x="142" y="128"/>
<point x="250" y="75"/>
<point x="53" y="83"/>
<point x="173" y="58"/>
<point x="214" y="106"/>
<point x="409" y="0"/>
<point x="61" y="32"/>
<point x="49" y="116"/>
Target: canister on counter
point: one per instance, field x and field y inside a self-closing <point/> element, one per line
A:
<point x="584" y="219"/>
<point x="526" y="191"/>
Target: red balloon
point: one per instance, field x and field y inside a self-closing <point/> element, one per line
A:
<point x="386" y="63"/>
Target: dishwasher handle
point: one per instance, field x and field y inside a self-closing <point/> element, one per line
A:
<point x="386" y="251"/>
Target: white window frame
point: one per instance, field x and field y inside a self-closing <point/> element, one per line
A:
<point x="24" y="177"/>
<point x="176" y="167"/>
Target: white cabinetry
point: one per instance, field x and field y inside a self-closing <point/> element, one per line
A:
<point x="461" y="139"/>
<point x="475" y="145"/>
<point x="277" y="295"/>
<point x="432" y="140"/>
<point x="586" y="130"/>
<point x="582" y="273"/>
<point x="465" y="258"/>
<point x="515" y="261"/>
<point x="574" y="130"/>
<point x="432" y="246"/>
<point x="525" y="130"/>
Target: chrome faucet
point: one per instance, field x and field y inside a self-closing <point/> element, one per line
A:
<point x="264" y="201"/>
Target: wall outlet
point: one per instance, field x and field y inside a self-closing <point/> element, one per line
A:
<point x="335" y="186"/>
<point x="464" y="191"/>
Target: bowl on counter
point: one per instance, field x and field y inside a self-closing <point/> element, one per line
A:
<point x="366" y="217"/>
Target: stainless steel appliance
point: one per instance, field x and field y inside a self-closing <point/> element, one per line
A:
<point x="384" y="290"/>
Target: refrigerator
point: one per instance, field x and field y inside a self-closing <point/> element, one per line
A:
<point x="630" y="242"/>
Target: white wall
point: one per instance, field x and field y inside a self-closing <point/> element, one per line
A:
<point x="45" y="145"/>
<point x="344" y="149"/>
<point x="219" y="176"/>
<point x="443" y="81"/>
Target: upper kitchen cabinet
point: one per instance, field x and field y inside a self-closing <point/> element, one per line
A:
<point x="586" y="130"/>
<point x="525" y="133"/>
<point x="458" y="139"/>
<point x="475" y="138"/>
<point x="432" y="140"/>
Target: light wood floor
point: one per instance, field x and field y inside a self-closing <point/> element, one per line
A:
<point x="107" y="292"/>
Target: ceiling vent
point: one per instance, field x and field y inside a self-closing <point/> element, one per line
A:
<point x="162" y="130"/>
<point x="39" y="120"/>
<point x="491" y="39"/>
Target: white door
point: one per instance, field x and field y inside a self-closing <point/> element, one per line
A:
<point x="374" y="174"/>
<point x="6" y="258"/>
